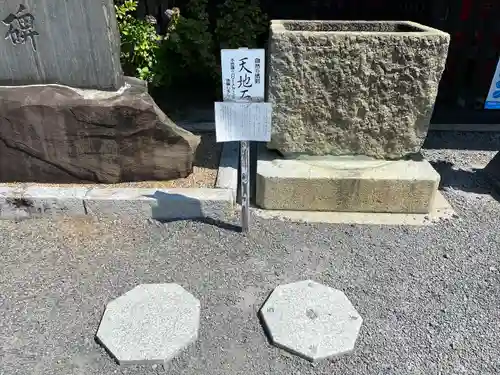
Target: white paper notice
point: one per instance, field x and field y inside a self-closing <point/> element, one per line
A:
<point x="237" y="121"/>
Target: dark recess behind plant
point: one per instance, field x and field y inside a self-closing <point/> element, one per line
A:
<point x="181" y="51"/>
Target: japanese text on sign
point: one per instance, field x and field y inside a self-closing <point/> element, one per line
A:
<point x="242" y="72"/>
<point x="243" y="121"/>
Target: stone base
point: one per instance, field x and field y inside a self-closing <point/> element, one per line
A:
<point x="150" y="324"/>
<point x="492" y="170"/>
<point x="345" y="184"/>
<point x="60" y="134"/>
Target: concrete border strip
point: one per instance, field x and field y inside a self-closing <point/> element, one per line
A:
<point x="227" y="176"/>
<point x="158" y="204"/>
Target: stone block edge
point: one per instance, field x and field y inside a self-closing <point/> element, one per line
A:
<point x="160" y="204"/>
<point x="227" y="175"/>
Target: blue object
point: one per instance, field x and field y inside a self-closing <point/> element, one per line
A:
<point x="492" y="105"/>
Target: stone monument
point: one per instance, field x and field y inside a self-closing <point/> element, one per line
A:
<point x="67" y="113"/>
<point x="352" y="103"/>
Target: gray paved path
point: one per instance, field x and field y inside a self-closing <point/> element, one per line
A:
<point x="429" y="296"/>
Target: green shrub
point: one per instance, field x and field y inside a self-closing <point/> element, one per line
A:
<point x="187" y="51"/>
<point x="139" y="42"/>
<point x="190" y="50"/>
<point x="240" y="23"/>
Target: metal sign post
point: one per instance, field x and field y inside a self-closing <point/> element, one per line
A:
<point x="243" y="81"/>
<point x="245" y="185"/>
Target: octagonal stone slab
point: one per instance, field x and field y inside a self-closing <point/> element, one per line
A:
<point x="150" y="324"/>
<point x="311" y="320"/>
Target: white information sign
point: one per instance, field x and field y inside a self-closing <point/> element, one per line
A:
<point x="493" y="99"/>
<point x="243" y="74"/>
<point x="236" y="121"/>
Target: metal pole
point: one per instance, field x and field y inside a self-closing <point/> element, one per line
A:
<point x="245" y="185"/>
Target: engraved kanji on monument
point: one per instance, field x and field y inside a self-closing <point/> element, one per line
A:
<point x="21" y="27"/>
<point x="72" y="43"/>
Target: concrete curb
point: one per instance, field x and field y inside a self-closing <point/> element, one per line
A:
<point x="30" y="201"/>
<point x="227" y="177"/>
<point x="158" y="204"/>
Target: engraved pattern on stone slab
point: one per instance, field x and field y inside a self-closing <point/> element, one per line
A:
<point x="150" y="324"/>
<point x="94" y="136"/>
<point x="72" y="43"/>
<point x="21" y="27"/>
<point x="311" y="320"/>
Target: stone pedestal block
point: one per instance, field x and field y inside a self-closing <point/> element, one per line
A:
<point x="59" y="134"/>
<point x="150" y="324"/>
<point x="311" y="320"/>
<point x="353" y="88"/>
<point x="345" y="184"/>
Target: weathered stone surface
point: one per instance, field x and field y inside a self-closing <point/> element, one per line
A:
<point x="345" y="184"/>
<point x="150" y="324"/>
<point x="492" y="170"/>
<point x="52" y="133"/>
<point x="340" y="87"/>
<point x="311" y="320"/>
<point x="73" y="43"/>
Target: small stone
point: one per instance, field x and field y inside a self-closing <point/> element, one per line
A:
<point x="150" y="324"/>
<point x="314" y="320"/>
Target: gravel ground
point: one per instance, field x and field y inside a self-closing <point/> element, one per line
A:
<point x="429" y="296"/>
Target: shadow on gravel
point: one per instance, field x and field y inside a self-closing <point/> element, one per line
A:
<point x="474" y="181"/>
<point x="483" y="141"/>
<point x="210" y="221"/>
<point x="177" y="207"/>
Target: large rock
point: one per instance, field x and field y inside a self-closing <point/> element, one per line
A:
<point x="53" y="133"/>
<point x="74" y="43"/>
<point x="340" y="87"/>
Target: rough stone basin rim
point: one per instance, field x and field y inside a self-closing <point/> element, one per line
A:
<point x="353" y="87"/>
<point x="399" y="27"/>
